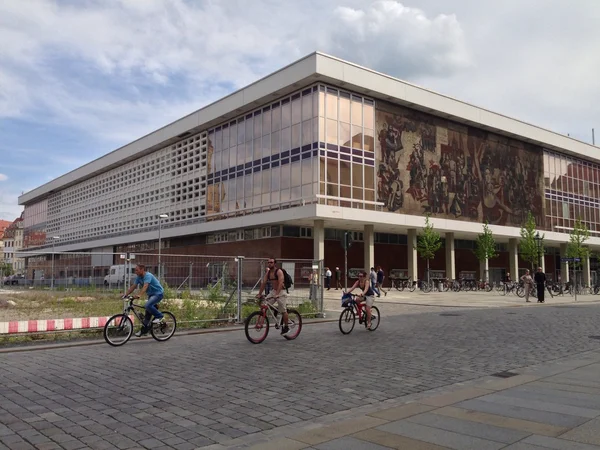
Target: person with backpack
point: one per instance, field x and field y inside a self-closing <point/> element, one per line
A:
<point x="277" y="277"/>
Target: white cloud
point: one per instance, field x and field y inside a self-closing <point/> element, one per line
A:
<point x="3" y="177"/>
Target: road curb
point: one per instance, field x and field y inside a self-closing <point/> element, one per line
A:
<point x="35" y="347"/>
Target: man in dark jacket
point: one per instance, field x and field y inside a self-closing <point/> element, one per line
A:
<point x="540" y="282"/>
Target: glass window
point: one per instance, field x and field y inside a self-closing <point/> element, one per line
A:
<point x="249" y="132"/>
<point x="276" y="118"/>
<point x="344" y="136"/>
<point x="266" y="122"/>
<point x="344" y="105"/>
<point x="321" y="129"/>
<point x="296" y="174"/>
<point x="307" y="132"/>
<point x="285" y="176"/>
<point x="286" y="115"/>
<point x="321" y="103"/>
<point x="332" y="131"/>
<point x="369" y="177"/>
<point x="275" y="173"/>
<point x="241" y="138"/>
<point x="266" y="182"/>
<point x="248" y="151"/>
<point x="306" y="171"/>
<point x="331" y="106"/>
<point x="369" y="115"/>
<point x="226" y="137"/>
<point x="248" y="190"/>
<point x="285" y="194"/>
<point x="357" y="193"/>
<point x="266" y="146"/>
<point x="369" y="139"/>
<point x="225" y="159"/>
<point x="296" y="193"/>
<point x="296" y="111"/>
<point x="357" y="111"/>
<point x="275" y="143"/>
<point x="357" y="137"/>
<point x="257" y="126"/>
<point x="322" y="168"/>
<point x="345" y="173"/>
<point x="332" y="171"/>
<point x="357" y="176"/>
<point x="286" y="139"/>
<point x="307" y="107"/>
<point x="218" y="140"/>
<point x="296" y="135"/>
<point x="257" y="185"/>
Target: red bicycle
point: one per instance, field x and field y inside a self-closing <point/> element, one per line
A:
<point x="352" y="309"/>
<point x="257" y="324"/>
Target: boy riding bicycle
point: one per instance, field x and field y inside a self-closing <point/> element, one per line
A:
<point x="152" y="287"/>
<point x="278" y="294"/>
<point x="367" y="293"/>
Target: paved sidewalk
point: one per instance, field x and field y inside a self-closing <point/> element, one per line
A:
<point x="480" y="299"/>
<point x="550" y="406"/>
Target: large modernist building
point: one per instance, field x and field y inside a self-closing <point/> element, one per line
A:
<point x="287" y="164"/>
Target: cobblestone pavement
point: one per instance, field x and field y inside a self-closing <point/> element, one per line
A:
<point x="197" y="390"/>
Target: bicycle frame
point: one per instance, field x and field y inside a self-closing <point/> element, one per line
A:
<point x="267" y="308"/>
<point x="129" y="306"/>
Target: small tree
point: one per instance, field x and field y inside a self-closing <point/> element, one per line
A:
<point x="575" y="247"/>
<point x="6" y="269"/>
<point x="485" y="246"/>
<point x="428" y="243"/>
<point x="528" y="247"/>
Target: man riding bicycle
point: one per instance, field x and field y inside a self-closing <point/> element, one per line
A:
<point x="364" y="284"/>
<point x="152" y="287"/>
<point x="278" y="293"/>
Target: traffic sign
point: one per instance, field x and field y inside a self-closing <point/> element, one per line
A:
<point x="570" y="259"/>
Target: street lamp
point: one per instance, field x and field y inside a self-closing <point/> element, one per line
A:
<point x="538" y="242"/>
<point x="160" y="218"/>
<point x="54" y="239"/>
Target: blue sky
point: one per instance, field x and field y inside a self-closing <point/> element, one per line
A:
<point x="80" y="79"/>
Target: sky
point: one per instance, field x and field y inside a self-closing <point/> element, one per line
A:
<point x="80" y="78"/>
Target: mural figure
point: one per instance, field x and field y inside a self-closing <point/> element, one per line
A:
<point x="429" y="165"/>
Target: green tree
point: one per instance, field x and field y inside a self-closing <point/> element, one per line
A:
<point x="575" y="247"/>
<point x="528" y="247"/>
<point x="428" y="243"/>
<point x="6" y="269"/>
<point x="485" y="246"/>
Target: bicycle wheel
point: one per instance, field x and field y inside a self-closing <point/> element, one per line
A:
<point x="256" y="327"/>
<point x="399" y="286"/>
<point x="375" y="318"/>
<point x="118" y="330"/>
<point x="294" y="324"/>
<point x="411" y="286"/>
<point x="164" y="330"/>
<point x="347" y="320"/>
<point x="521" y="291"/>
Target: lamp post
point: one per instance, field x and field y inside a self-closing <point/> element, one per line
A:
<point x="160" y="218"/>
<point x="54" y="239"/>
<point x="538" y="242"/>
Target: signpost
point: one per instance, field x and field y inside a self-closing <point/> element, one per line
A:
<point x="346" y="244"/>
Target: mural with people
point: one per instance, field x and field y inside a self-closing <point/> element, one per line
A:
<point x="428" y="165"/>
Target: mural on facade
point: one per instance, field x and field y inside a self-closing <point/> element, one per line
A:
<point x="430" y="165"/>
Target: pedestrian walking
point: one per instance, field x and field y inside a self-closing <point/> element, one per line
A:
<point x="327" y="278"/>
<point x="540" y="281"/>
<point x="373" y="279"/>
<point x="380" y="278"/>
<point x="338" y="278"/>
<point x="527" y="284"/>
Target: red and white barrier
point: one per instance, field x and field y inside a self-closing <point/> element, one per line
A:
<point x="33" y="326"/>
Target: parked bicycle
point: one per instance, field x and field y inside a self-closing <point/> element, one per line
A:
<point x="351" y="310"/>
<point x="119" y="328"/>
<point x="256" y="325"/>
<point x="400" y="285"/>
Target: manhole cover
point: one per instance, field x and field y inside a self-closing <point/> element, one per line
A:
<point x="450" y="314"/>
<point x="595" y="337"/>
<point x="505" y="374"/>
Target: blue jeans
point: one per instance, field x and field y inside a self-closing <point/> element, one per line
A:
<point x="151" y="309"/>
<point x="374" y="287"/>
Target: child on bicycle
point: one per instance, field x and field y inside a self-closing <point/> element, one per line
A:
<point x="151" y="286"/>
<point x="363" y="283"/>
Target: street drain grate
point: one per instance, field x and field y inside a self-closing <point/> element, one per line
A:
<point x="505" y="374"/>
<point x="450" y="314"/>
<point x="594" y="337"/>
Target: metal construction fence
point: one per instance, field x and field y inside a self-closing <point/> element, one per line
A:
<point x="198" y="288"/>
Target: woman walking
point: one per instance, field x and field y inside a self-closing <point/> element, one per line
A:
<point x="527" y="284"/>
<point x="540" y="281"/>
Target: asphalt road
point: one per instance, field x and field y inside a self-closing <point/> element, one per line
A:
<point x="197" y="390"/>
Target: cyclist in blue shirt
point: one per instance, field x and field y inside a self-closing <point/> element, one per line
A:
<point x="151" y="286"/>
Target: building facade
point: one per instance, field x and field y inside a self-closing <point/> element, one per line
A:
<point x="319" y="148"/>
<point x="12" y="243"/>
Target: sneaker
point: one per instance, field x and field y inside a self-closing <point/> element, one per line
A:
<point x="285" y="330"/>
<point x="141" y="333"/>
<point x="162" y="319"/>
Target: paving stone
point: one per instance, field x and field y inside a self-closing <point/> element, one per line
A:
<point x="549" y="405"/>
<point x="349" y="443"/>
<point x="483" y="431"/>
<point x="588" y="433"/>
<point x="557" y="444"/>
<point x="439" y="437"/>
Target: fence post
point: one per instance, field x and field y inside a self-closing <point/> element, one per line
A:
<point x="240" y="262"/>
<point x="321" y="313"/>
<point x="190" y="278"/>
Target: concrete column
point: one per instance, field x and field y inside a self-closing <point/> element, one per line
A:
<point x="450" y="260"/>
<point x="564" y="267"/>
<point x="513" y="255"/>
<point x="369" y="243"/>
<point x="412" y="254"/>
<point x="484" y="270"/>
<point x="319" y="240"/>
<point x="585" y="267"/>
